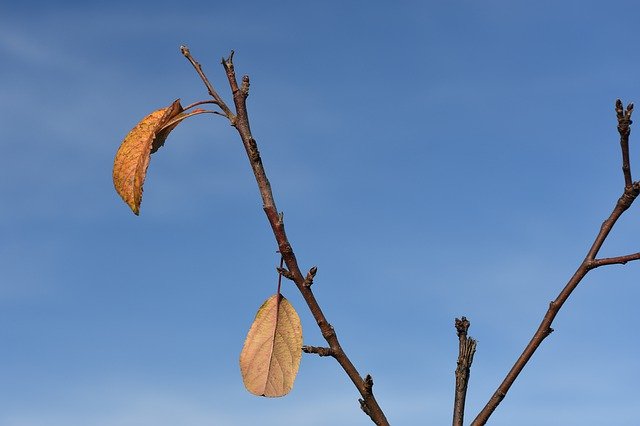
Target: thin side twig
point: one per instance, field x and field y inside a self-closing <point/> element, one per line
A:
<point x="241" y="122"/>
<point x="466" y="350"/>
<point x="631" y="191"/>
<point x="620" y="260"/>
<point x="320" y="351"/>
<point x="217" y="99"/>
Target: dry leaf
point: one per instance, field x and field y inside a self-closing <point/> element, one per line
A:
<point x="271" y="354"/>
<point x="132" y="159"/>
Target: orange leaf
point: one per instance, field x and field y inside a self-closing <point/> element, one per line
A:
<point x="132" y="159"/>
<point x="271" y="354"/>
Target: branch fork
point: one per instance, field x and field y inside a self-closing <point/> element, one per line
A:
<point x="590" y="262"/>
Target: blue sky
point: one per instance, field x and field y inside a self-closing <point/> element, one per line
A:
<point x="434" y="159"/>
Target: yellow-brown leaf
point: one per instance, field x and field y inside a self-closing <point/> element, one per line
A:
<point x="271" y="354"/>
<point x="132" y="159"/>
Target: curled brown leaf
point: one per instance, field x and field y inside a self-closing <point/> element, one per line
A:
<point x="132" y="159"/>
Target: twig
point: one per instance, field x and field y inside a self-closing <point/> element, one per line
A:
<point x="320" y="351"/>
<point x="620" y="260"/>
<point x="624" y="121"/>
<point x="218" y="100"/>
<point x="631" y="191"/>
<point x="466" y="350"/>
<point x="241" y="122"/>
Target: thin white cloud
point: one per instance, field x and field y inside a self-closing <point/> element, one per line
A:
<point x="20" y="45"/>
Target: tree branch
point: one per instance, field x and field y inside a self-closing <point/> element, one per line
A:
<point x="217" y="99"/>
<point x="241" y="122"/>
<point x="317" y="350"/>
<point x="620" y="260"/>
<point x="624" y="121"/>
<point x="631" y="191"/>
<point x="466" y="350"/>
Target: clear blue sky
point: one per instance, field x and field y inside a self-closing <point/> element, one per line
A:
<point x="434" y="159"/>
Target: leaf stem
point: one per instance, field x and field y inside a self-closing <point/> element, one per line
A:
<point x="181" y="117"/>
<point x="280" y="275"/>
<point x="208" y="101"/>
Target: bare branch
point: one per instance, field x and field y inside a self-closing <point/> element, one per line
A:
<point x="218" y="100"/>
<point x="320" y="351"/>
<point x="631" y="191"/>
<point x="466" y="350"/>
<point x="624" y="121"/>
<point x="620" y="260"/>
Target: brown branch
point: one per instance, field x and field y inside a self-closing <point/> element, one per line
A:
<point x="241" y="122"/>
<point x="624" y="123"/>
<point x="631" y="191"/>
<point x="620" y="260"/>
<point x="320" y="351"/>
<point x="217" y="99"/>
<point x="466" y="350"/>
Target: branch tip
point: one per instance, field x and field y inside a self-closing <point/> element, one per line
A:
<point x="228" y="61"/>
<point x="624" y="117"/>
<point x="212" y="91"/>
<point x="462" y="326"/>
<point x="466" y="351"/>
<point x="368" y="383"/>
<point x="310" y="275"/>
